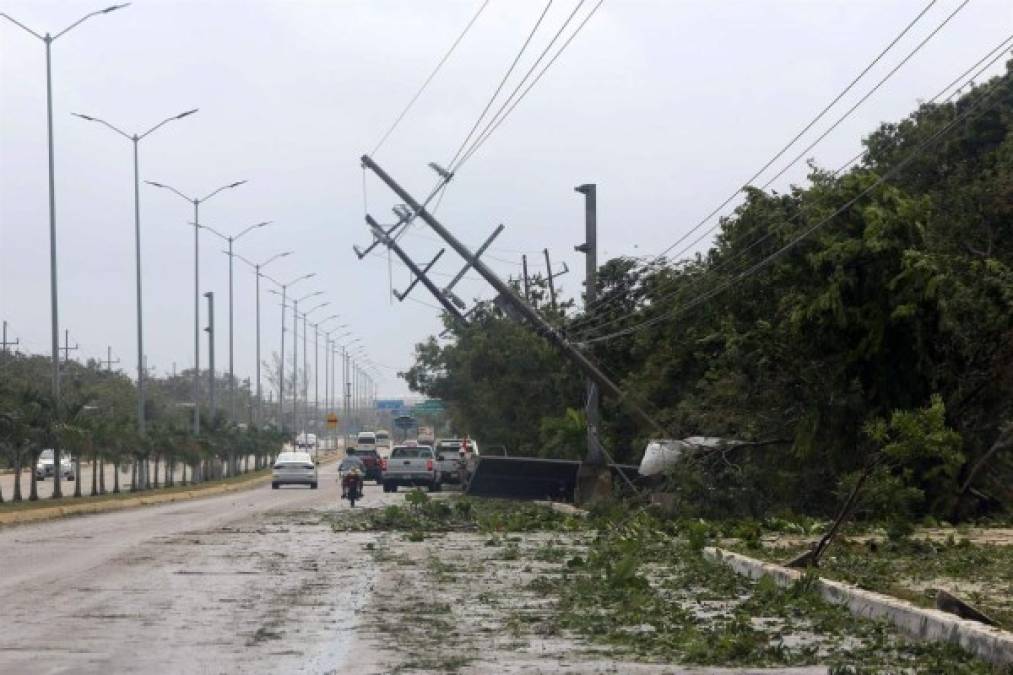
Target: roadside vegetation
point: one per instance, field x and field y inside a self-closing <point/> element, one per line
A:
<point x="96" y="423"/>
<point x="626" y="585"/>
<point x="879" y="350"/>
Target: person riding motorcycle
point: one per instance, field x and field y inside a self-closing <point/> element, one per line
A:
<point x="352" y="469"/>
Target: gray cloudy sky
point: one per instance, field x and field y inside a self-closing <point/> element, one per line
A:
<point x="667" y="106"/>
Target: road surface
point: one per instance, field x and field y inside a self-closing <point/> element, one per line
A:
<point x="233" y="583"/>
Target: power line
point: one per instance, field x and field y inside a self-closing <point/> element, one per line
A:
<point x="500" y="115"/>
<point x="868" y="94"/>
<point x="964" y="74"/>
<point x="728" y="200"/>
<point x="502" y="82"/>
<point x="589" y="329"/>
<point x="817" y="118"/>
<point x="703" y="297"/>
<point x="429" y="79"/>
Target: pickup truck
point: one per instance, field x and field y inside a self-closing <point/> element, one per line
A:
<point x="371" y="460"/>
<point x="450" y="457"/>
<point x="411" y="466"/>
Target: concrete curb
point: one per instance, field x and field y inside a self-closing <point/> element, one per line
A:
<point x="988" y="643"/>
<point x="147" y="499"/>
<point x="49" y="513"/>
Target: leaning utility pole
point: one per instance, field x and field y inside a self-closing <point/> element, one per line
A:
<point x="388" y="241"/>
<point x="510" y="298"/>
<point x="552" y="278"/>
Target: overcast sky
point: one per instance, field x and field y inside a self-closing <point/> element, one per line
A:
<point x="667" y="106"/>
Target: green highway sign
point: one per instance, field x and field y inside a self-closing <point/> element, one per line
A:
<point x="429" y="407"/>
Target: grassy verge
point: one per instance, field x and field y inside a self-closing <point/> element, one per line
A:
<point x="631" y="584"/>
<point x="111" y="498"/>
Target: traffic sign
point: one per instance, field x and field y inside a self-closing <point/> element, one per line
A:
<point x="429" y="407"/>
<point x="332" y="421"/>
<point x="389" y="404"/>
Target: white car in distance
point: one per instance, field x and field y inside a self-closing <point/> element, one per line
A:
<point x="44" y="467"/>
<point x="294" y="468"/>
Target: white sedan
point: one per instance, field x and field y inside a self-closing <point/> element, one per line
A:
<point x="294" y="468"/>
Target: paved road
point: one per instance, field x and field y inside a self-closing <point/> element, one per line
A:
<point x="244" y="582"/>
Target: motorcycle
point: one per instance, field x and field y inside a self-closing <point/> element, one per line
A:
<point x="351" y="486"/>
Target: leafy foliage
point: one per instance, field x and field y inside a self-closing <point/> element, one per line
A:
<point x="899" y="309"/>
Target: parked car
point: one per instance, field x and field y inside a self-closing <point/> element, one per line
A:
<point x="411" y="466"/>
<point x="44" y="467"/>
<point x="371" y="460"/>
<point x="294" y="468"/>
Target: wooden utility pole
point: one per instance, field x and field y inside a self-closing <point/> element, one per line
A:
<point x="5" y="344"/>
<point x="109" y="359"/>
<point x="548" y="275"/>
<point x="524" y="269"/>
<point x="66" y="348"/>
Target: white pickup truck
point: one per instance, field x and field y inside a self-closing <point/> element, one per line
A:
<point x="411" y="465"/>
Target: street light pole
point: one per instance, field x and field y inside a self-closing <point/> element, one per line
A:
<point x="135" y="140"/>
<point x="256" y="269"/>
<point x="196" y="288"/>
<point x="295" y="356"/>
<point x="281" y="365"/>
<point x="47" y="40"/>
<point x="230" y="239"/>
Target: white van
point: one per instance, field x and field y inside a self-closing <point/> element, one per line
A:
<point x="383" y="439"/>
<point x="366" y="440"/>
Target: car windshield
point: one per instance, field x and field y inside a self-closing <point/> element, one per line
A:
<point x="448" y="444"/>
<point x="293" y="457"/>
<point x="46" y="454"/>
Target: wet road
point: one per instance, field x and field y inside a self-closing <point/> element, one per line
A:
<point x="244" y="582"/>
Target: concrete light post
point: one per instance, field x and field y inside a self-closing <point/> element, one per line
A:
<point x="230" y="239"/>
<point x="136" y="139"/>
<point x="196" y="287"/>
<point x="256" y="269"/>
<point x="47" y="40"/>
<point x="281" y="363"/>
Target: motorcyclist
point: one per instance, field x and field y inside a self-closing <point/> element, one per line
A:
<point x="351" y="467"/>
